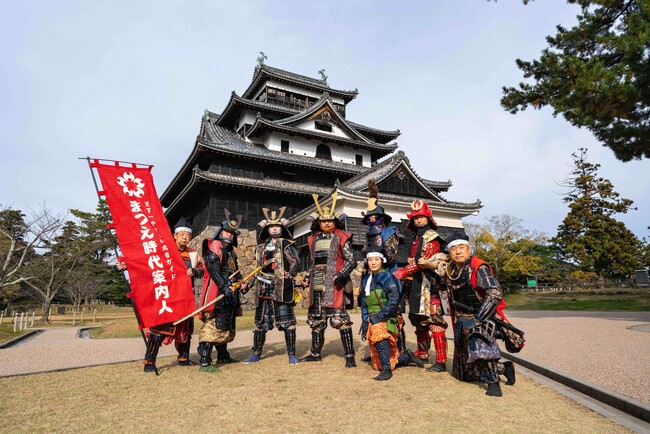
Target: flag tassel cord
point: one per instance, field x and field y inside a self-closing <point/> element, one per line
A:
<point x="127" y="285"/>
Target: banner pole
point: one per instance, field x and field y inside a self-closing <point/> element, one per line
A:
<point x="127" y="285"/>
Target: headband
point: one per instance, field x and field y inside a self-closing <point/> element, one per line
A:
<point x="376" y="255"/>
<point x="182" y="229"/>
<point x="456" y="243"/>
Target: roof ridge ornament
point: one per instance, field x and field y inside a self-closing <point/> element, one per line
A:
<point x="323" y="77"/>
<point x="261" y="58"/>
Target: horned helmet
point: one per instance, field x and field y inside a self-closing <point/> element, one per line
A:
<point x="272" y="218"/>
<point x="327" y="213"/>
<point x="231" y="224"/>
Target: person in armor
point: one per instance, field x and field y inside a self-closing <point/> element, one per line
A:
<point x="222" y="276"/>
<point x="332" y="261"/>
<point x="182" y="333"/>
<point x="380" y="233"/>
<point x="425" y="312"/>
<point x="278" y="257"/>
<point x="381" y="322"/>
<point x="477" y="300"/>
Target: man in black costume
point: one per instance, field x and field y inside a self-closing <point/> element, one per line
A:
<point x="278" y="257"/>
<point x="221" y="277"/>
<point x="477" y="301"/>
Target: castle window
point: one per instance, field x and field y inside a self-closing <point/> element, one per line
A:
<point x="323" y="127"/>
<point x="324" y="152"/>
<point x="284" y="145"/>
<point x="359" y="159"/>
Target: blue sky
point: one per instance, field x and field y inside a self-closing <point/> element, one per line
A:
<point x="130" y="80"/>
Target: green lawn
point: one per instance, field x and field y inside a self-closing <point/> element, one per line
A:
<point x="7" y="332"/>
<point x="616" y="299"/>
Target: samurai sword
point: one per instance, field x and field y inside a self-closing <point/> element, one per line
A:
<point x="497" y="321"/>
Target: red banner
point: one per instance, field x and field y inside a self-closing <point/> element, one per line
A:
<point x="160" y="287"/>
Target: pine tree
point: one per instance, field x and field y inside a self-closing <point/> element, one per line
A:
<point x="589" y="235"/>
<point x="596" y="74"/>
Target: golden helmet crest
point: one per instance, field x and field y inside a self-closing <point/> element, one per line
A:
<point x="326" y="212"/>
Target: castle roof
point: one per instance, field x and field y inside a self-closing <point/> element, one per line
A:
<point x="236" y="103"/>
<point x="264" y="73"/>
<point x="355" y="139"/>
<point x="390" y="166"/>
<point x="242" y="182"/>
<point x="216" y="139"/>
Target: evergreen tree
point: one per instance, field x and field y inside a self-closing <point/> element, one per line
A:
<point x="589" y="235"/>
<point x="645" y="252"/>
<point x="597" y="75"/>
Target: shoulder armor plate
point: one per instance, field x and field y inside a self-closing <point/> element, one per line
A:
<point x="430" y="235"/>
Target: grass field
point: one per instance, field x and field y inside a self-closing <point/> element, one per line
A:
<point x="114" y="322"/>
<point x="614" y="299"/>
<point x="7" y="332"/>
<point x="272" y="396"/>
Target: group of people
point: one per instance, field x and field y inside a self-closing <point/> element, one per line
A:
<point x="475" y="298"/>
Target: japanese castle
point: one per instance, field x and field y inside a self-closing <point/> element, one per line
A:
<point x="286" y="137"/>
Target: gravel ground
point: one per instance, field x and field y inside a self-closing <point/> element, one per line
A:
<point x="599" y="347"/>
<point x="611" y="349"/>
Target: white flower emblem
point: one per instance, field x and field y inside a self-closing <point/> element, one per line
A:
<point x="131" y="185"/>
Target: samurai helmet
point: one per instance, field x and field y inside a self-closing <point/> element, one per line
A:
<point x="273" y="218"/>
<point x="327" y="213"/>
<point x="420" y="208"/>
<point x="374" y="209"/>
<point x="231" y="223"/>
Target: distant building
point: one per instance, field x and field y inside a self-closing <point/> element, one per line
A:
<point x="286" y="137"/>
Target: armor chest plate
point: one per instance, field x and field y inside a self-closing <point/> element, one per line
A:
<point x="462" y="290"/>
<point x="321" y="249"/>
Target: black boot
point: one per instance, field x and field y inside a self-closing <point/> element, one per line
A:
<point x="437" y="367"/>
<point x="385" y="374"/>
<point x="407" y="357"/>
<point x="384" y="357"/>
<point x="205" y="353"/>
<point x="290" y="341"/>
<point x="259" y="337"/>
<point x="223" y="356"/>
<point x="205" y="357"/>
<point x="494" y="389"/>
<point x="317" y="341"/>
<point x="348" y="347"/>
<point x="366" y="359"/>
<point x="153" y="345"/>
<point x="509" y="373"/>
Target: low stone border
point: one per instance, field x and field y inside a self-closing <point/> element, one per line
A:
<point x="618" y="401"/>
<point x="20" y="338"/>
